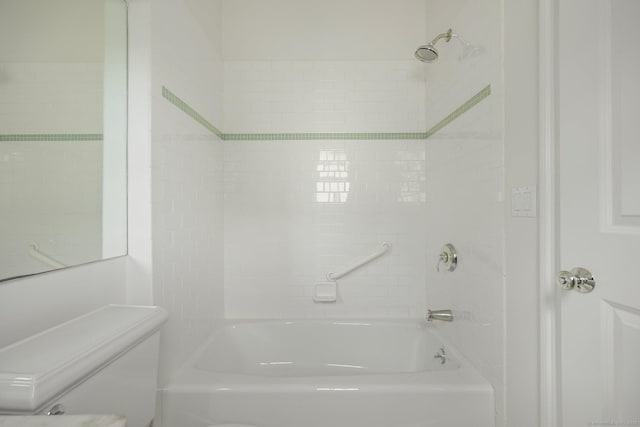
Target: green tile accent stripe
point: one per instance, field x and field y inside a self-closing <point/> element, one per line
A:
<point x="470" y="103"/>
<point x="322" y="135"/>
<point x="186" y="108"/>
<point x="51" y="137"/>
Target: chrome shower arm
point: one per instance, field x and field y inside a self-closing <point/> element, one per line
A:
<point x="446" y="36"/>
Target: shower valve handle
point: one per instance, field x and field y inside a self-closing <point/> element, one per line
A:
<point x="448" y="258"/>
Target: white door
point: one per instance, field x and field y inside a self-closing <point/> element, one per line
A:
<point x="599" y="218"/>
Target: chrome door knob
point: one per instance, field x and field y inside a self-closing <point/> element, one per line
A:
<point x="579" y="279"/>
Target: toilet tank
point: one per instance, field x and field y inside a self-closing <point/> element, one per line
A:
<point x="104" y="362"/>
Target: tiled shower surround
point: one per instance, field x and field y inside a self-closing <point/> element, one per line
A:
<point x="297" y="210"/>
<point x="299" y="204"/>
<point x="297" y="207"/>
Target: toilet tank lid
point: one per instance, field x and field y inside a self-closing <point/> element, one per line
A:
<point x="39" y="368"/>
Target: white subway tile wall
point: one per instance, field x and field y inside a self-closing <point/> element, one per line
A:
<point x="323" y="96"/>
<point x="465" y="185"/>
<point x="187" y="180"/>
<point x="187" y="231"/>
<point x="297" y="210"/>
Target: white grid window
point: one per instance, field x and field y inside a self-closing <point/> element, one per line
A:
<point x="333" y="172"/>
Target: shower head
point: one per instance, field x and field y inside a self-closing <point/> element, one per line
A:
<point x="428" y="52"/>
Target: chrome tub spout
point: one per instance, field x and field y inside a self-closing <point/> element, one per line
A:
<point x="444" y="315"/>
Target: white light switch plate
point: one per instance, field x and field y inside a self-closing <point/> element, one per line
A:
<point x="523" y="201"/>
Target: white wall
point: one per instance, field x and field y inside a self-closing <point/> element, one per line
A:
<point x="324" y="96"/>
<point x="186" y="177"/>
<point x="282" y="30"/>
<point x="32" y="304"/>
<point x="498" y="325"/>
<point x="465" y="184"/>
<point x="521" y="256"/>
<point x="48" y="31"/>
<point x="281" y="238"/>
<point x="287" y="223"/>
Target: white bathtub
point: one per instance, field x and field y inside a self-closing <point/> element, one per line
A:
<point x="327" y="374"/>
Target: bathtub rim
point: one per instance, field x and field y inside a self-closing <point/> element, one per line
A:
<point x="188" y="378"/>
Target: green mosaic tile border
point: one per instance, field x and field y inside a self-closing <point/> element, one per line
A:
<point x="186" y="108"/>
<point x="321" y="135"/>
<point x="471" y="102"/>
<point x="51" y="137"/>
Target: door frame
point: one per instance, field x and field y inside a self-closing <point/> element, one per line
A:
<point x="549" y="314"/>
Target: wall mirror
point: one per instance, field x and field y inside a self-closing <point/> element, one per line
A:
<point x="63" y="129"/>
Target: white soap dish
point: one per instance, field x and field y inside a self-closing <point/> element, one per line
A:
<point x="325" y="292"/>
